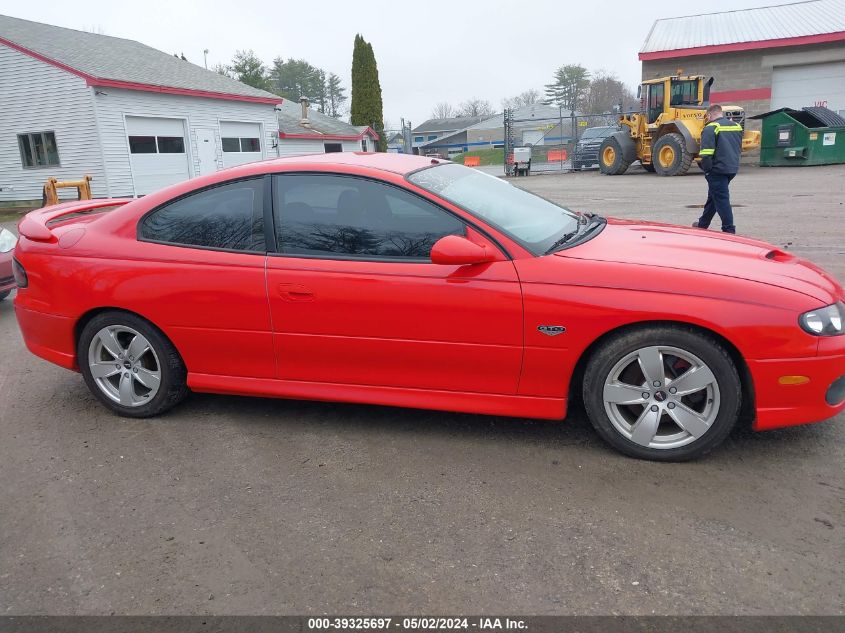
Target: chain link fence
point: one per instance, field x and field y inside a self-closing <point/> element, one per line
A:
<point x="551" y="144"/>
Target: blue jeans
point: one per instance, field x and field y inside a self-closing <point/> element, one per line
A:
<point x="718" y="201"/>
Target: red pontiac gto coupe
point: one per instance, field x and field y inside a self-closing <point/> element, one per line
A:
<point x="409" y="281"/>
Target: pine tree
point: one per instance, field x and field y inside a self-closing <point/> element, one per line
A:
<point x="249" y="69"/>
<point x="367" y="107"/>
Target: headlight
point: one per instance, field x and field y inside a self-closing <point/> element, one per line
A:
<point x="7" y="240"/>
<point x="824" y="321"/>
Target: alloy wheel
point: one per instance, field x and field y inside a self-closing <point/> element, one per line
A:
<point x="124" y="366"/>
<point x="661" y="397"/>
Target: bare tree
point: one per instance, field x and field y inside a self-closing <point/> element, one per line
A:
<point x="475" y="107"/>
<point x="525" y="98"/>
<point x="443" y="110"/>
<point x="605" y="92"/>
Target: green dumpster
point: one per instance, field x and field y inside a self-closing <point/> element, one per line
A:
<point x="809" y="136"/>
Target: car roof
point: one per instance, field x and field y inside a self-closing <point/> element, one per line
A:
<point x="392" y="162"/>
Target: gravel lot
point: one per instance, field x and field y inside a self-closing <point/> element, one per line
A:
<point x="250" y="506"/>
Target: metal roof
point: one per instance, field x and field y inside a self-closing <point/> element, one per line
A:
<point x="785" y="21"/>
<point x="447" y="125"/>
<point x="116" y="59"/>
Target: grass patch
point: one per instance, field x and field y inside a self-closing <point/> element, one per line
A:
<point x="489" y="156"/>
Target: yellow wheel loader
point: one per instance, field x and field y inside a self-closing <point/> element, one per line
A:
<point x="665" y="135"/>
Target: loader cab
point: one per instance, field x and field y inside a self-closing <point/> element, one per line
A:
<point x="674" y="92"/>
<point x="654" y="96"/>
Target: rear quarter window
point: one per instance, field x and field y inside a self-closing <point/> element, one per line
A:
<point x="228" y="217"/>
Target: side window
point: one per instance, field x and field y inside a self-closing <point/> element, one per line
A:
<point x="327" y="215"/>
<point x="229" y="216"/>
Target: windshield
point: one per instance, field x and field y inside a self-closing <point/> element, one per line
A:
<point x="597" y="132"/>
<point x="532" y="221"/>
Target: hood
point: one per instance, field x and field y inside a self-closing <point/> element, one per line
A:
<point x="707" y="252"/>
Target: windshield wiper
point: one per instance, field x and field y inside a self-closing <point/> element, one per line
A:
<point x="586" y="222"/>
<point x="562" y="240"/>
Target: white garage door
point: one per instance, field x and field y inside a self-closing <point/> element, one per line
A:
<point x="241" y="142"/>
<point x="810" y="85"/>
<point x="157" y="152"/>
<point x="532" y="137"/>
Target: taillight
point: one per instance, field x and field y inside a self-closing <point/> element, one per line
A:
<point x="19" y="273"/>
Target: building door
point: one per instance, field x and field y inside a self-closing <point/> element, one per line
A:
<point x="206" y="151"/>
<point x="157" y="154"/>
<point x="809" y="85"/>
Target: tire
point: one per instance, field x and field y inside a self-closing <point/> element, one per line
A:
<point x="648" y="167"/>
<point x="138" y="385"/>
<point x="611" y="160"/>
<point x="670" y="156"/>
<point x="577" y="166"/>
<point x="5" y="294"/>
<point x="685" y="425"/>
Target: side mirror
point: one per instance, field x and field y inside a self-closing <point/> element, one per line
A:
<point x="454" y="250"/>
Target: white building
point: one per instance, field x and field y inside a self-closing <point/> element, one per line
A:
<point x="134" y="118"/>
<point x="302" y="130"/>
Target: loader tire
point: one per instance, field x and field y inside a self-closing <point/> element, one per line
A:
<point x="670" y="156"/>
<point x="611" y="159"/>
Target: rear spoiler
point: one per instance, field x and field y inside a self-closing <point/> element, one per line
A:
<point x="34" y="224"/>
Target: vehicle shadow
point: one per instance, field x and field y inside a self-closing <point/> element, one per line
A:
<point x="295" y="416"/>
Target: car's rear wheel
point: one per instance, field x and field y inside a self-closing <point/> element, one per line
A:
<point x="130" y="366"/>
<point x="662" y="393"/>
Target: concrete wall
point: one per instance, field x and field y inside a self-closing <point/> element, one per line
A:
<point x="744" y="72"/>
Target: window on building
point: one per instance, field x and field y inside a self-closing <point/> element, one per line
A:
<point x="432" y="137"/>
<point x="229" y="216"/>
<point x="38" y="149"/>
<point x="251" y="144"/>
<point x="171" y="145"/>
<point x="363" y="145"/>
<point x="156" y="144"/>
<point x="321" y="215"/>
<point x="233" y="144"/>
<point x="332" y="147"/>
<point x="419" y="139"/>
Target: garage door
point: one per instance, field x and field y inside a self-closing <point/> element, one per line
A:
<point x="241" y="142"/>
<point x="157" y="152"/>
<point x="532" y="137"/>
<point x="813" y="84"/>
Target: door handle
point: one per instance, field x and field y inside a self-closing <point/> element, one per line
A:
<point x="295" y="292"/>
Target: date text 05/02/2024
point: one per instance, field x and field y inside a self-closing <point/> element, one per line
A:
<point x="416" y="623"/>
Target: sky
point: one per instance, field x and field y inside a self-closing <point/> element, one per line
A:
<point x="427" y="51"/>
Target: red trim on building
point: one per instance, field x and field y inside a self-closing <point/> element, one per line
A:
<point x="128" y="85"/>
<point x="332" y="137"/>
<point x="744" y="46"/>
<point x="189" y="92"/>
<point x="741" y="95"/>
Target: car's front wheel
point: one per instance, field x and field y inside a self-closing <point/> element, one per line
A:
<point x="130" y="366"/>
<point x="662" y="393"/>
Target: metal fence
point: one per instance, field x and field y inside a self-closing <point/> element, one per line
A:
<point x="554" y="141"/>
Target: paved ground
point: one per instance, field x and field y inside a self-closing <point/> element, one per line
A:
<point x="243" y="505"/>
